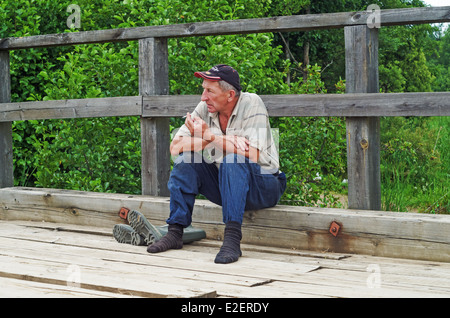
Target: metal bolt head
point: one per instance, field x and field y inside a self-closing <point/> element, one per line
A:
<point x="334" y="228"/>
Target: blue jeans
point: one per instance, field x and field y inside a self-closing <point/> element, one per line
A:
<point x="238" y="185"/>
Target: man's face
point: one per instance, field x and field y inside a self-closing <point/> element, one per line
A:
<point x="216" y="99"/>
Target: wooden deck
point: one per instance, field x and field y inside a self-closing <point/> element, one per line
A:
<point x="42" y="259"/>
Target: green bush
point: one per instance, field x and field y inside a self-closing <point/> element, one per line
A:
<point x="315" y="164"/>
<point x="415" y="165"/>
<point x="103" y="154"/>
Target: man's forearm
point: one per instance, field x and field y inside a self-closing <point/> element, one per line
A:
<point x="222" y="144"/>
<point x="183" y="144"/>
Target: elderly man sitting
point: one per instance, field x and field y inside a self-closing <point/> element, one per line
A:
<point x="226" y="153"/>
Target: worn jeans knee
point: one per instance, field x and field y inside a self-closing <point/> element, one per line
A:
<point x="190" y="176"/>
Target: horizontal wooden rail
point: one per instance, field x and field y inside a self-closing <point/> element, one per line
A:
<point x="72" y="108"/>
<point x="274" y="24"/>
<point x="354" y="105"/>
<point x="348" y="105"/>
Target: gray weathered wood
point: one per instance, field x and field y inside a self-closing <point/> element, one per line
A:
<point x="355" y="105"/>
<point x="363" y="134"/>
<point x="389" y="234"/>
<point x="72" y="108"/>
<point x="155" y="132"/>
<point x="6" y="150"/>
<point x="274" y="24"/>
<point x="38" y="258"/>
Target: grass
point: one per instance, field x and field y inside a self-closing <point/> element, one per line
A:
<point x="415" y="170"/>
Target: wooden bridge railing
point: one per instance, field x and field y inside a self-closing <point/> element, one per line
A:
<point x="362" y="105"/>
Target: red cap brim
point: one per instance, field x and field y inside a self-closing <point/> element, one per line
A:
<point x="208" y="77"/>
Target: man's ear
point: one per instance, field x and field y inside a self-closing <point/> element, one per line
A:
<point x="231" y="95"/>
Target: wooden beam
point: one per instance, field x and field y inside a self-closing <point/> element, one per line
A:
<point x="274" y="24"/>
<point x="155" y="132"/>
<point x="363" y="133"/>
<point x="355" y="105"/>
<point x="6" y="143"/>
<point x="389" y="234"/>
<point x="72" y="108"/>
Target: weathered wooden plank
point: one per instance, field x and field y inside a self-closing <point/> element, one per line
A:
<point x="185" y="268"/>
<point x="355" y="105"/>
<point x="96" y="237"/>
<point x="18" y="288"/>
<point x="64" y="251"/>
<point x="257" y="274"/>
<point x="194" y="264"/>
<point x="359" y="290"/>
<point x="72" y="108"/>
<point x="182" y="269"/>
<point x="155" y="132"/>
<point x="94" y="278"/>
<point x="6" y="155"/>
<point x="390" y="234"/>
<point x="172" y="266"/>
<point x="274" y="24"/>
<point x="363" y="133"/>
<point x="6" y="148"/>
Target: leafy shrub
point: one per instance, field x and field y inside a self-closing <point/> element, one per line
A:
<point x="103" y="154"/>
<point x="414" y="164"/>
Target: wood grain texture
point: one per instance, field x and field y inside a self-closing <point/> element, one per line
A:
<point x="72" y="108"/>
<point x="352" y="105"/>
<point x="387" y="234"/>
<point x="273" y="24"/>
<point x="41" y="259"/>
<point x="363" y="133"/>
<point x="155" y="132"/>
<point x="6" y="141"/>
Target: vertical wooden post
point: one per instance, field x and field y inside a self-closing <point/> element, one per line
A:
<point x="363" y="133"/>
<point x="155" y="132"/>
<point x="6" y="149"/>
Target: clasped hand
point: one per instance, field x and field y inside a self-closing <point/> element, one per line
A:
<point x="199" y="128"/>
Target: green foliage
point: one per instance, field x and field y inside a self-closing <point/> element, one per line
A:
<point x="439" y="63"/>
<point x="415" y="167"/>
<point x="315" y="163"/>
<point x="98" y="154"/>
<point x="403" y="62"/>
<point x="103" y="154"/>
<point x="81" y="155"/>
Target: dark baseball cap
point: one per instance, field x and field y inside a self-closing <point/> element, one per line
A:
<point x="222" y="72"/>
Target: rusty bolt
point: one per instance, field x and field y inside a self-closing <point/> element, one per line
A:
<point x="334" y="228"/>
